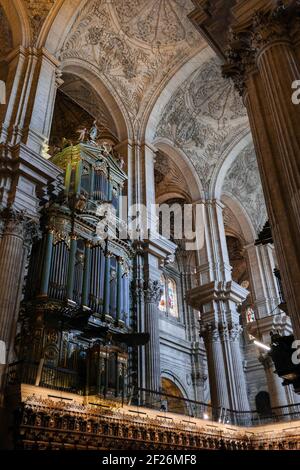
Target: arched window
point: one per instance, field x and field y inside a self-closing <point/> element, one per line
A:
<point x="172" y="298"/>
<point x="168" y="301"/>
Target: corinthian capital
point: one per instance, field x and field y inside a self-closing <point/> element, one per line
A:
<point x="235" y="330"/>
<point x="14" y="222"/>
<point x="152" y="291"/>
<point x="210" y="332"/>
<point x="271" y="26"/>
<point x="247" y="41"/>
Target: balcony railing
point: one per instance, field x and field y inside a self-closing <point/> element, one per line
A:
<point x="70" y="381"/>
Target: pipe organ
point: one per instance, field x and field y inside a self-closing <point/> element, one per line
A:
<point x="77" y="298"/>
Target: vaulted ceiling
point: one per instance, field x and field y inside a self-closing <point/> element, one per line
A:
<point x="138" y="47"/>
<point x="135" y="44"/>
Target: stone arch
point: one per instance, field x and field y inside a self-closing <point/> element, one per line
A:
<point x="263" y="403"/>
<point x="173" y="386"/>
<point x="89" y="74"/>
<point x="245" y="223"/>
<point x="61" y="18"/>
<point x="184" y="165"/>
<point x="18" y="20"/>
<point x="170" y="375"/>
<point x="226" y="162"/>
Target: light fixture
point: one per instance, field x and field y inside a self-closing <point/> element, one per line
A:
<point x="261" y="345"/>
<point x="205" y="416"/>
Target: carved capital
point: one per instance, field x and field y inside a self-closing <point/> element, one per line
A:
<point x="14" y="222"/>
<point x="152" y="291"/>
<point x="240" y="61"/>
<point x="210" y="332"/>
<point x="235" y="330"/>
<point x="270" y="27"/>
<point x="246" y="44"/>
<point x="266" y="361"/>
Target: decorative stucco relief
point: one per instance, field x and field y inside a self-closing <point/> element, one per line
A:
<point x="243" y="182"/>
<point x="203" y="118"/>
<point x="131" y="50"/>
<point x="6" y="41"/>
<point x="37" y="12"/>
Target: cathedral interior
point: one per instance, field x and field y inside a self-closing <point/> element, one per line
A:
<point x="149" y="224"/>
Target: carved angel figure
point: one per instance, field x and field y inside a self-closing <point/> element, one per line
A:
<point x="82" y="134"/>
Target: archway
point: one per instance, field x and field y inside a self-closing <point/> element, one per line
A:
<point x="263" y="404"/>
<point x="173" y="399"/>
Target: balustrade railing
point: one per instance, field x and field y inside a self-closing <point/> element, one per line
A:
<point x="71" y="381"/>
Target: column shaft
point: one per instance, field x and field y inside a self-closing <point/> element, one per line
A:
<point x="152" y="349"/>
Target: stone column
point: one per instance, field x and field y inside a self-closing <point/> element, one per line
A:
<point x="277" y="392"/>
<point x="152" y="292"/>
<point x="261" y="265"/>
<point x="216" y="366"/>
<point x="11" y="274"/>
<point x="217" y="297"/>
<point x="240" y="389"/>
<point x="263" y="60"/>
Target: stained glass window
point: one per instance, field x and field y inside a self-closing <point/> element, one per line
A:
<point x="172" y="298"/>
<point x="168" y="301"/>
<point x="162" y="302"/>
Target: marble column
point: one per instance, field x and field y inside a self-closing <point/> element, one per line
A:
<point x="277" y="392"/>
<point x="263" y="60"/>
<point x="239" y="392"/>
<point x="11" y="274"/>
<point x="216" y="367"/>
<point x="217" y="297"/>
<point x="152" y="293"/>
<point x="261" y="264"/>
